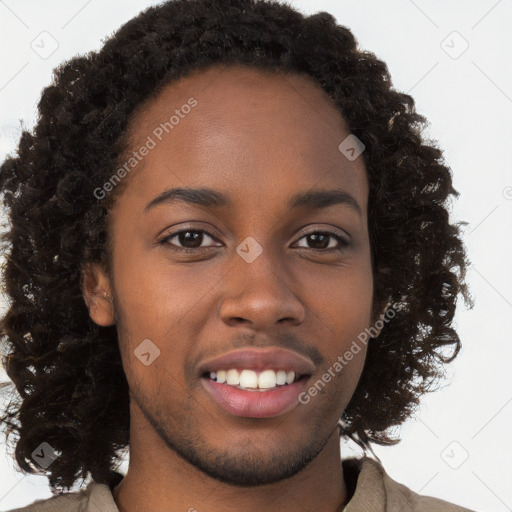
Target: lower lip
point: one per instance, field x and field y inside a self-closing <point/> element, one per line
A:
<point x="255" y="404"/>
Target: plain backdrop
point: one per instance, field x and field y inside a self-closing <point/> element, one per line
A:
<point x="453" y="57"/>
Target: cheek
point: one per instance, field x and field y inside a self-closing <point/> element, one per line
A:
<point x="342" y="305"/>
<point x="154" y="294"/>
<point x="342" y="315"/>
<point x="157" y="307"/>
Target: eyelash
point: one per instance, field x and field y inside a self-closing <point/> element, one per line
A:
<point x="342" y="241"/>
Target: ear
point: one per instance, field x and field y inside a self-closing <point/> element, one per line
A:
<point x="97" y="295"/>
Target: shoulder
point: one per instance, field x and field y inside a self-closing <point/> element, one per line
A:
<point x="399" y="494"/>
<point x="68" y="502"/>
<point x="96" y="497"/>
<point x="377" y="489"/>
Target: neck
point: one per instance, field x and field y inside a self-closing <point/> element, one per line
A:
<point x="160" y="480"/>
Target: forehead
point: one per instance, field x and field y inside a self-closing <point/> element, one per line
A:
<point x="257" y="130"/>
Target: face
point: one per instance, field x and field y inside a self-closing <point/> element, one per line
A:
<point x="257" y="266"/>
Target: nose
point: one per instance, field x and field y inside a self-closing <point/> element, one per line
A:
<point x="260" y="294"/>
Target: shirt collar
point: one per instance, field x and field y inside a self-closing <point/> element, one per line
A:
<point x="364" y="479"/>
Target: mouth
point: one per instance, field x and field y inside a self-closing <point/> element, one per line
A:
<point x="256" y="383"/>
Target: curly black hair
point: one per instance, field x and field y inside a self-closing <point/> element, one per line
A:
<point x="71" y="391"/>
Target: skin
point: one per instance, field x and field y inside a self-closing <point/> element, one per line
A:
<point x="258" y="137"/>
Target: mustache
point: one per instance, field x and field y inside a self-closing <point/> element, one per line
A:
<point x="287" y="341"/>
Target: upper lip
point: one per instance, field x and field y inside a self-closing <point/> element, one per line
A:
<point x="259" y="360"/>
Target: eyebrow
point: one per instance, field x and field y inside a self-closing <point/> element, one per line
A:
<point x="209" y="198"/>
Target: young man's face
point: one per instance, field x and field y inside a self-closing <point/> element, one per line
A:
<point x="259" y="139"/>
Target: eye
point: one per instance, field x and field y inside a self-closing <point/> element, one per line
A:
<point x="325" y="241"/>
<point x="189" y="240"/>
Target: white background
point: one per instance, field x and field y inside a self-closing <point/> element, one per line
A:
<point x="468" y="101"/>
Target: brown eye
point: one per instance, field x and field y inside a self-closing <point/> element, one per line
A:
<point x="322" y="240"/>
<point x="188" y="239"/>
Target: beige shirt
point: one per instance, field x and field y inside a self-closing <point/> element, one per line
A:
<point x="374" y="491"/>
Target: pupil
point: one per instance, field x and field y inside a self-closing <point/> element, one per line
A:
<point x="316" y="237"/>
<point x="190" y="237"/>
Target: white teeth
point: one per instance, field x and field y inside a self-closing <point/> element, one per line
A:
<point x="249" y="379"/>
<point x="281" y="377"/>
<point x="267" y="379"/>
<point x="233" y="378"/>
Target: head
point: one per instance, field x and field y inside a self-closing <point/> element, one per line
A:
<point x="201" y="131"/>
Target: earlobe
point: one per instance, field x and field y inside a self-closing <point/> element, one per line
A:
<point x="96" y="292"/>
